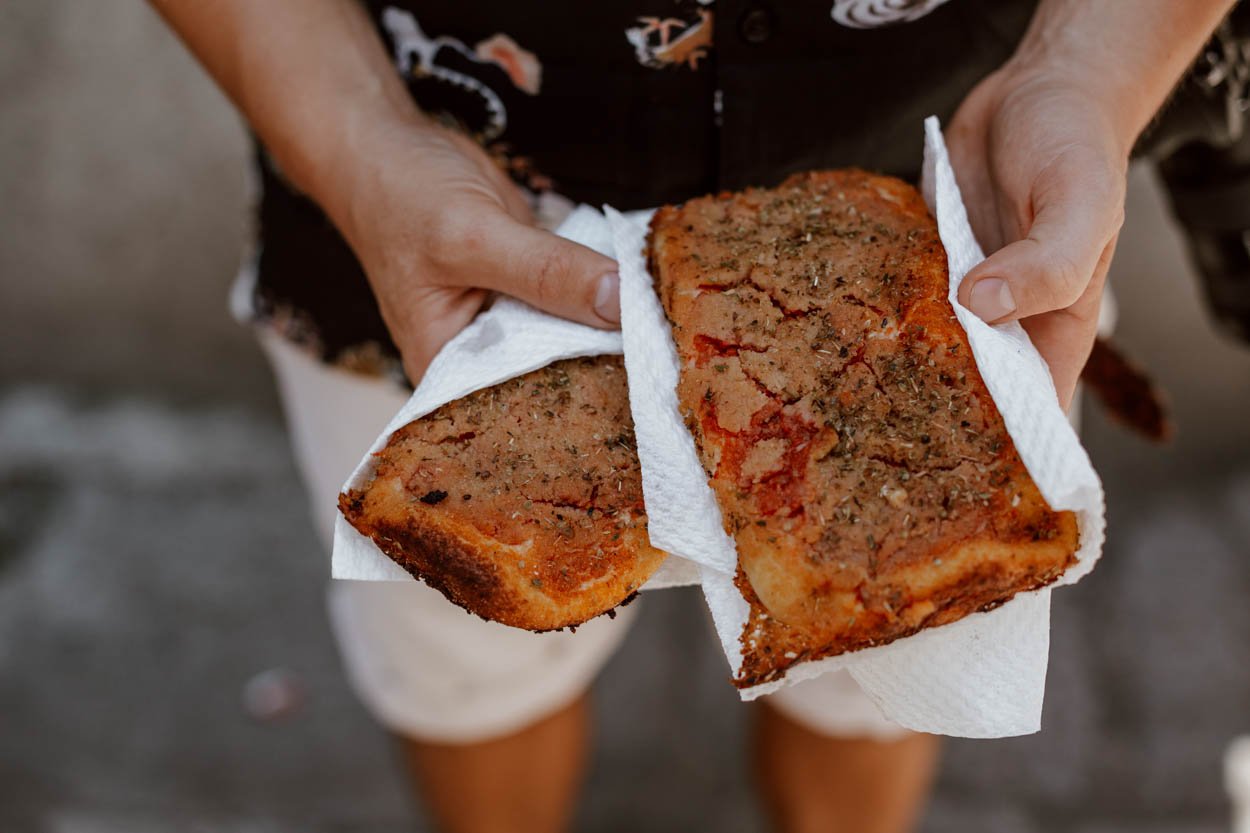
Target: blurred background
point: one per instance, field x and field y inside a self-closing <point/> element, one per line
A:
<point x="165" y="663"/>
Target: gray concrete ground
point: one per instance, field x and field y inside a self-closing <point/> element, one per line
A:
<point x="155" y="550"/>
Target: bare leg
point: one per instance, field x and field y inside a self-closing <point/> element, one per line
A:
<point x="812" y="783"/>
<point x="525" y="781"/>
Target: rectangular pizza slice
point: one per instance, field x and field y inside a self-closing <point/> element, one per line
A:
<point x="859" y="461"/>
<point x="521" y="503"/>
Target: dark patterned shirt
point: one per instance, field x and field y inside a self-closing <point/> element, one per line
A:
<point x="638" y="103"/>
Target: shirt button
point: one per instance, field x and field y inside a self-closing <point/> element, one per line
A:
<point x="756" y="26"/>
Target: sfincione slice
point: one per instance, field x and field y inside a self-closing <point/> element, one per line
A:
<point x="859" y="461"/>
<point x="521" y="503"/>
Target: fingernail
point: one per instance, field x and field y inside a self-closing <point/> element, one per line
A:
<point x="608" y="298"/>
<point x="991" y="299"/>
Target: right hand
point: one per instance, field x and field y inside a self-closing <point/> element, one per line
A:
<point x="1041" y="162"/>
<point x="438" y="227"/>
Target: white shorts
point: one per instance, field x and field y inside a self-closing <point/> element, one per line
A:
<point x="428" y="669"/>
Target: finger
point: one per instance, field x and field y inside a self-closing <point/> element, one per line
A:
<point x="1052" y="266"/>
<point x="549" y="272"/>
<point x="1064" y="338"/>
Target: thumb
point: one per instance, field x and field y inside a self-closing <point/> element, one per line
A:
<point x="556" y="275"/>
<point x="1051" y="267"/>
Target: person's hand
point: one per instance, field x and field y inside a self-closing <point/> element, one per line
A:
<point x="1041" y="163"/>
<point x="438" y="227"/>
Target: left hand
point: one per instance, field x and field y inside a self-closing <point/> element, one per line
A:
<point x="1041" y="164"/>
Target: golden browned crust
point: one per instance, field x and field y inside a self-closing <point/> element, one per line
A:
<point x="521" y="503"/>
<point x="858" y="459"/>
<point x="978" y="576"/>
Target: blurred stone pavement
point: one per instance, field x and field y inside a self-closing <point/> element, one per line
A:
<point x="156" y="552"/>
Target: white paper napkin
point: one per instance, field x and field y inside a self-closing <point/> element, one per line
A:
<point x="687" y="517"/>
<point x="983" y="676"/>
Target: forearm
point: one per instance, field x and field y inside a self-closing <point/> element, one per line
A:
<point x="1127" y="53"/>
<point x="310" y="76"/>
